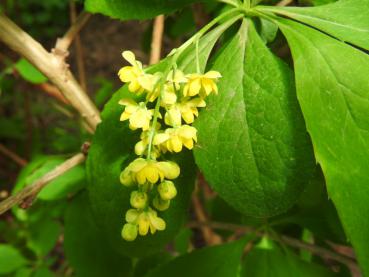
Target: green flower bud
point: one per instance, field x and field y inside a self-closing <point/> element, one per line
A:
<point x="129" y="232"/>
<point x="160" y="204"/>
<point x="167" y="190"/>
<point x="138" y="199"/>
<point x="126" y="178"/>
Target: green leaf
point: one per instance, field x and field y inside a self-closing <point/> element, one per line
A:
<point x="333" y="91"/>
<point x="113" y="148"/>
<point x="43" y="236"/>
<point x="10" y="259"/>
<point x="275" y="263"/>
<point x="216" y="261"/>
<point x="86" y="246"/>
<point x="68" y="183"/>
<point x="29" y="72"/>
<point x="253" y="147"/>
<point x="345" y="19"/>
<point x="138" y="9"/>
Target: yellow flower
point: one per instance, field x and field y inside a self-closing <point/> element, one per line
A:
<point x="129" y="232"/>
<point x="169" y="95"/>
<point x="173" y="139"/>
<point x="134" y="75"/>
<point x="175" y="78"/>
<point x="142" y="171"/>
<point x="167" y="190"/>
<point x="187" y="109"/>
<point x="160" y="204"/>
<point x="202" y="84"/>
<point x="138" y="199"/>
<point x="138" y="114"/>
<point x="146" y="220"/>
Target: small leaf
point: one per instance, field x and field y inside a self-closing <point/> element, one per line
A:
<point x="275" y="263"/>
<point x="10" y="259"/>
<point x="85" y="245"/>
<point x="333" y="91"/>
<point x="29" y="72"/>
<point x="216" y="261"/>
<point x="346" y="20"/>
<point x="253" y="147"/>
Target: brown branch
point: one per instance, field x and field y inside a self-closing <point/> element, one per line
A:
<point x="28" y="193"/>
<point x="53" y="91"/>
<point x="210" y="237"/>
<point x="62" y="44"/>
<point x="157" y="39"/>
<point x="78" y="46"/>
<point x="13" y="156"/>
<point x="284" y="3"/>
<point x="52" y="66"/>
<point x="314" y="249"/>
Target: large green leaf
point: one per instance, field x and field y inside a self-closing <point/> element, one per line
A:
<point x="216" y="261"/>
<point x="333" y="91"/>
<point x="112" y="150"/>
<point x="347" y="20"/>
<point x="138" y="9"/>
<point x="276" y="263"/>
<point x="253" y="147"/>
<point x="85" y="246"/>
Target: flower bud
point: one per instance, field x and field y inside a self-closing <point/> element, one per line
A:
<point x="160" y="204"/>
<point x="167" y="190"/>
<point x="138" y="199"/>
<point x="129" y="232"/>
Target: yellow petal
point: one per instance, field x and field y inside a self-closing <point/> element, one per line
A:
<point x="171" y="169"/>
<point x="127" y="102"/>
<point x="212" y="74"/>
<point x="143" y="224"/>
<point x="188" y="143"/>
<point x="124" y="116"/>
<point x="195" y="87"/>
<point x="160" y="138"/>
<point x="130" y="57"/>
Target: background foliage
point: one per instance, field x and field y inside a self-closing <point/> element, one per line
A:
<point x="283" y="147"/>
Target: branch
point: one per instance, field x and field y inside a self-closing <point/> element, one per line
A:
<point x="62" y="44"/>
<point x="28" y="193"/>
<point x="284" y="3"/>
<point x="78" y="46"/>
<point x="157" y="39"/>
<point x="315" y="249"/>
<point x="13" y="156"/>
<point x="51" y="66"/>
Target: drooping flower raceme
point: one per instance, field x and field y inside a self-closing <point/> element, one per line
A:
<point x="178" y="96"/>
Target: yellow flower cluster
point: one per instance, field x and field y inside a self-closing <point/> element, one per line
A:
<point x="178" y="96"/>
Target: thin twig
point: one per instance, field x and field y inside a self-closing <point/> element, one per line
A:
<point x="317" y="250"/>
<point x="210" y="237"/>
<point x="62" y="44"/>
<point x="13" y="156"/>
<point x="51" y="66"/>
<point x="53" y="91"/>
<point x="157" y="39"/>
<point x="78" y="46"/>
<point x="284" y="3"/>
<point x="28" y="193"/>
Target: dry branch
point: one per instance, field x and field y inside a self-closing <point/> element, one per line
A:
<point x="29" y="192"/>
<point x="157" y="39"/>
<point x="51" y="66"/>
